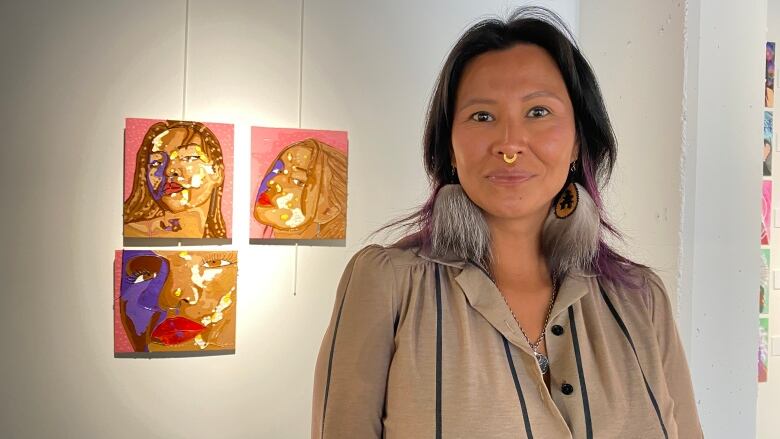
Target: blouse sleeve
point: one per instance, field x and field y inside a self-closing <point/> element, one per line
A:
<point x="675" y="365"/>
<point x="350" y="376"/>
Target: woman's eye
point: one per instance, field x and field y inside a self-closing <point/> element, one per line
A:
<point x="155" y="163"/>
<point x="538" y="112"/>
<point x="216" y="263"/>
<point x="482" y="116"/>
<point x="190" y="158"/>
<point x="142" y="277"/>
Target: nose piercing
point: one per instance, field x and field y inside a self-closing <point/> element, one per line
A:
<point x="512" y="159"/>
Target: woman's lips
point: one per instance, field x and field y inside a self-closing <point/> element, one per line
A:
<point x="172" y="187"/>
<point x="175" y="330"/>
<point x="509" y="179"/>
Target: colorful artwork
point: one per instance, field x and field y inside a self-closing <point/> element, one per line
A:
<point x="174" y="301"/>
<point x="766" y="209"/>
<point x="299" y="184"/>
<point x="763" y="297"/>
<point x="763" y="349"/>
<point x="769" y="94"/>
<point x="768" y="130"/>
<point x="178" y="179"/>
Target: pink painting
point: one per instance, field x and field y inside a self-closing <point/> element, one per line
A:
<point x="178" y="179"/>
<point x="766" y="210"/>
<point x="299" y="184"/>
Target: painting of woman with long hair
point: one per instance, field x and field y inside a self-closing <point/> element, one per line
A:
<point x="302" y="191"/>
<point x="178" y="185"/>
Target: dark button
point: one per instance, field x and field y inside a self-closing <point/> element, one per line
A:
<point x="567" y="389"/>
<point x="557" y="329"/>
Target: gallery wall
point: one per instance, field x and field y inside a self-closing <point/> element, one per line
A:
<point x="768" y="424"/>
<point x="77" y="69"/>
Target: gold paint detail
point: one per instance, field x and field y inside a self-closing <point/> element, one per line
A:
<point x="177" y="293"/>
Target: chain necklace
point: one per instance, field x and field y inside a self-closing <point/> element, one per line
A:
<point x="544" y="363"/>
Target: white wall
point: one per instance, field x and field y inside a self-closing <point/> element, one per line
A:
<point x="72" y="71"/>
<point x="639" y="64"/>
<point x="721" y="208"/>
<point x="768" y="423"/>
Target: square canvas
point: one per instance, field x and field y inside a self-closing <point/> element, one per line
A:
<point x="768" y="135"/>
<point x="763" y="349"/>
<point x="299" y="184"/>
<point x="769" y="89"/>
<point x="178" y="179"/>
<point x="763" y="297"/>
<point x="174" y="301"/>
<point x="766" y="209"/>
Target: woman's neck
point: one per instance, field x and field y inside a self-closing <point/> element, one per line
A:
<point x="518" y="263"/>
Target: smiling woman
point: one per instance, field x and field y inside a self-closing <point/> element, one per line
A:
<point x="504" y="312"/>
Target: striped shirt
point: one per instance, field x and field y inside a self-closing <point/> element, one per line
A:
<point x="419" y="347"/>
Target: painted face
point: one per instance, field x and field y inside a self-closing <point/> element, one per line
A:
<point x="512" y="106"/>
<point x="288" y="195"/>
<point x="180" y="175"/>
<point x="181" y="301"/>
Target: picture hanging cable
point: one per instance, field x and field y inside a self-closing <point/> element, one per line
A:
<point x="295" y="275"/>
<point x="186" y="41"/>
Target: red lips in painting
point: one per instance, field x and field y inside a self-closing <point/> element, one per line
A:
<point x="172" y="187"/>
<point x="175" y="330"/>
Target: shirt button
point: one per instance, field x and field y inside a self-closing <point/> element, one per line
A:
<point x="557" y="329"/>
<point x="567" y="389"/>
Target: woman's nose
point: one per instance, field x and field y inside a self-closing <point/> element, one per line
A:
<point x="510" y="140"/>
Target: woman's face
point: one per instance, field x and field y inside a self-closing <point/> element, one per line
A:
<point x="195" y="295"/>
<point x="288" y="195"/>
<point x="180" y="175"/>
<point x="513" y="102"/>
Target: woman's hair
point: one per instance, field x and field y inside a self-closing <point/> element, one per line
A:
<point x="597" y="143"/>
<point x="334" y="185"/>
<point x="141" y="206"/>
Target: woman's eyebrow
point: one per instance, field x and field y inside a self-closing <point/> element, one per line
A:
<point x="541" y="94"/>
<point x="473" y="101"/>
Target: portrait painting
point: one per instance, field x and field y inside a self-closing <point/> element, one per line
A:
<point x="177" y="179"/>
<point x="174" y="301"/>
<point x="763" y="349"/>
<point x="299" y="184"/>
<point x="763" y="298"/>
<point x="766" y="212"/>
<point x="769" y="89"/>
<point x="768" y="137"/>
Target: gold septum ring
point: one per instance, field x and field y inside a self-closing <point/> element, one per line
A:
<point x="508" y="159"/>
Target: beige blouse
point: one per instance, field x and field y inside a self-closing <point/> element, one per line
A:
<point x="424" y="348"/>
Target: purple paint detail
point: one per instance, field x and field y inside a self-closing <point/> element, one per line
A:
<point x="159" y="173"/>
<point x="278" y="166"/>
<point x="142" y="299"/>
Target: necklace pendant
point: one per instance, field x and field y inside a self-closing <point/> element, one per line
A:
<point x="544" y="364"/>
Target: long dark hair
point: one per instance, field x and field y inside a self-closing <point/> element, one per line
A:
<point x="597" y="143"/>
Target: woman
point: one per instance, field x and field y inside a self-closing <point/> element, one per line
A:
<point x="304" y="193"/>
<point x="506" y="314"/>
<point x="177" y="187"/>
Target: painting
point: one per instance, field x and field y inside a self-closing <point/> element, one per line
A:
<point x="174" y="301"/>
<point x="766" y="209"/>
<point x="763" y="349"/>
<point x="769" y="89"/>
<point x="299" y="184"/>
<point x="768" y="131"/>
<point x="177" y="179"/>
<point x="763" y="297"/>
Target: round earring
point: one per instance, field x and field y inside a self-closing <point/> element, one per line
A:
<point x="567" y="201"/>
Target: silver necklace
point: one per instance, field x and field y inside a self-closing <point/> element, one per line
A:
<point x="544" y="363"/>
